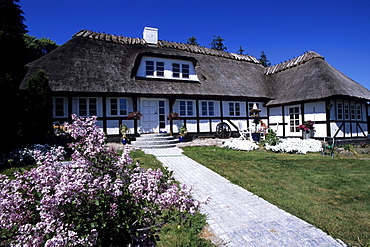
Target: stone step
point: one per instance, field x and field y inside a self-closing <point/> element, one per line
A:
<point x="154" y="138"/>
<point x="160" y="140"/>
<point x="157" y="146"/>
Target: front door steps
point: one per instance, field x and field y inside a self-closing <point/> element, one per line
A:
<point x="160" y="140"/>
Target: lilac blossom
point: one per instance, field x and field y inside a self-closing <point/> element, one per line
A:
<point x="97" y="198"/>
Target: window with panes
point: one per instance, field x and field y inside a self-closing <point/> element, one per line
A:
<point x="118" y="106"/>
<point x="234" y="109"/>
<point x="186" y="108"/>
<point x="207" y="108"/>
<point x="340" y="110"/>
<point x="87" y="107"/>
<point x="154" y="68"/>
<point x="294" y="119"/>
<point x="59" y="107"/>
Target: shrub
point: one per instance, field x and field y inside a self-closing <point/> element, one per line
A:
<point x="238" y="144"/>
<point x="98" y="198"/>
<point x="296" y="145"/>
<point x="25" y="156"/>
<point x="271" y="138"/>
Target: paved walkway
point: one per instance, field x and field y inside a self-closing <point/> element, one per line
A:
<point x="237" y="216"/>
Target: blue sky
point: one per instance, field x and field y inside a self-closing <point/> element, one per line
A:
<point x="338" y="30"/>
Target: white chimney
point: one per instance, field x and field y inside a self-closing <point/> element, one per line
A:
<point x="150" y="35"/>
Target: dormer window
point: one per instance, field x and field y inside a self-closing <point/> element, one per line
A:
<point x="166" y="68"/>
<point x="154" y="68"/>
<point x="176" y="70"/>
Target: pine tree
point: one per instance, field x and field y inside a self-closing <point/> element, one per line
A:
<point x="217" y="43"/>
<point x="12" y="45"/>
<point x="12" y="61"/>
<point x="263" y="59"/>
<point x="240" y="51"/>
<point x="192" y="41"/>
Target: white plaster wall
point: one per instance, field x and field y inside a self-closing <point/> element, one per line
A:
<point x="204" y="126"/>
<point x="315" y="111"/>
<point x="191" y="125"/>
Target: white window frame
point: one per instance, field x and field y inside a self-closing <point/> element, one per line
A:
<point x="163" y="68"/>
<point x="358" y="111"/>
<point x="186" y="108"/>
<point x="346" y="111"/>
<point x="233" y="111"/>
<point x="119" y="107"/>
<point x="88" y="106"/>
<point x="64" y="105"/>
<point x="209" y="110"/>
<point x="340" y="110"/>
<point x="295" y="121"/>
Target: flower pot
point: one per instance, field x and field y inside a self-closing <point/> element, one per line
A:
<point x="124" y="141"/>
<point x="181" y="138"/>
<point x="256" y="137"/>
<point x="307" y="135"/>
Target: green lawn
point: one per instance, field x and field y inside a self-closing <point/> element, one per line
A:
<point x="330" y="193"/>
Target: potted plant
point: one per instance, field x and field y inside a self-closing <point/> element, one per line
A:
<point x="256" y="135"/>
<point x="254" y="112"/>
<point x="183" y="132"/>
<point x="173" y="115"/>
<point x="308" y="129"/>
<point x="134" y="115"/>
<point x="124" y="130"/>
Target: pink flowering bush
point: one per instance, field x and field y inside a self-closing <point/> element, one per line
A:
<point x="97" y="199"/>
<point x="307" y="126"/>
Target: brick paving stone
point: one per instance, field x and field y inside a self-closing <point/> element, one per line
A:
<point x="236" y="216"/>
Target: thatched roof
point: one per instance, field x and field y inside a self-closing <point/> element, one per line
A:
<point x="103" y="63"/>
<point x="310" y="77"/>
<point x="93" y="62"/>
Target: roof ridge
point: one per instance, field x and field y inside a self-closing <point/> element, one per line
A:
<point x="292" y="63"/>
<point x="165" y="44"/>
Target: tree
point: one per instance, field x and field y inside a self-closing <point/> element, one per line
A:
<point x="36" y="48"/>
<point x="217" y="43"/>
<point x="12" y="45"/>
<point x="240" y="51"/>
<point x="192" y="41"/>
<point x="38" y="108"/>
<point x="263" y="59"/>
<point x="12" y="71"/>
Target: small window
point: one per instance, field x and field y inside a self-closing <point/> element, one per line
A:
<point x="59" y="107"/>
<point x="93" y="108"/>
<point x="185" y="71"/>
<point x="87" y="107"/>
<point x="149" y="68"/>
<point x="160" y="68"/>
<point x="294" y="119"/>
<point x="186" y="108"/>
<point x="234" y="109"/>
<point x="176" y="70"/>
<point x="82" y="106"/>
<point x="118" y="107"/>
<point x="340" y="110"/>
<point x="353" y="111"/>
<point x="208" y="108"/>
<point x="358" y="111"/>
<point x="346" y="111"/>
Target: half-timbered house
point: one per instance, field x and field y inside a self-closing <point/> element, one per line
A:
<point x="116" y="78"/>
